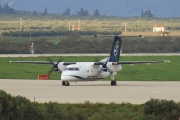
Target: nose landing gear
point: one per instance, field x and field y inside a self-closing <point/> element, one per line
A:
<point x="65" y="83"/>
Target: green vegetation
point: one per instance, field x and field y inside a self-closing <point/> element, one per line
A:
<point x="139" y="72"/>
<point x="56" y="22"/>
<point x="161" y="110"/>
<point x="20" y="108"/>
<point x="75" y="43"/>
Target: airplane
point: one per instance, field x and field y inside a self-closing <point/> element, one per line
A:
<point x="92" y="71"/>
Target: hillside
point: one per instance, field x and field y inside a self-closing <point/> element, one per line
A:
<point x="123" y="8"/>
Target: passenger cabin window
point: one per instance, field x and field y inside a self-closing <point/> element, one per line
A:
<point x="76" y="69"/>
<point x="70" y="69"/>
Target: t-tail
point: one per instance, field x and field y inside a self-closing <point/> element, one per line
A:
<point x="116" y="50"/>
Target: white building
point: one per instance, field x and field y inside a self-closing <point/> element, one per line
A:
<point x="76" y="27"/>
<point x="158" y="28"/>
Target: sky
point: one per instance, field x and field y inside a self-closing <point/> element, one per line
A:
<point x="121" y="8"/>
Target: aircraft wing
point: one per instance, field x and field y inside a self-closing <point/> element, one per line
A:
<point x="42" y="62"/>
<point x="33" y="62"/>
<point x="132" y="62"/>
<point x="139" y="62"/>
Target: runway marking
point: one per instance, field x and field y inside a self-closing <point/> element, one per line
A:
<point x="165" y="91"/>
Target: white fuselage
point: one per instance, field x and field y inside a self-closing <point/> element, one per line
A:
<point x="84" y="71"/>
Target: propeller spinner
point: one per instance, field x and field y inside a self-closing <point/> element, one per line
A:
<point x="54" y="64"/>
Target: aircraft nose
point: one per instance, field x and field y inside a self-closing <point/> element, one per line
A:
<point x="65" y="77"/>
<point x="68" y="76"/>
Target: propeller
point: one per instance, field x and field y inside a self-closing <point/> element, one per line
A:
<point x="54" y="64"/>
<point x="103" y="67"/>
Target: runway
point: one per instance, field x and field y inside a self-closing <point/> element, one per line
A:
<point x="134" y="92"/>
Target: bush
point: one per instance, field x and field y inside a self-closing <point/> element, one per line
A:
<point x="162" y="109"/>
<point x="20" y="108"/>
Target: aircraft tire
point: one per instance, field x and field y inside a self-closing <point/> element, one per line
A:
<point x="63" y="83"/>
<point x="113" y="83"/>
<point x="68" y="84"/>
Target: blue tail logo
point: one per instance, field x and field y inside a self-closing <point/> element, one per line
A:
<point x="115" y="51"/>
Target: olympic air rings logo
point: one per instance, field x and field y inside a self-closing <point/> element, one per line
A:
<point x="116" y="49"/>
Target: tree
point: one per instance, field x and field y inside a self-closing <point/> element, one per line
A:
<point x="45" y="11"/>
<point x="67" y="12"/>
<point x="96" y="13"/>
<point x="34" y="13"/>
<point x="1" y="9"/>
<point x="147" y="14"/>
<point x="83" y="12"/>
<point x="8" y="10"/>
<point x="142" y="13"/>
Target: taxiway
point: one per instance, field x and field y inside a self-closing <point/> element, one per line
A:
<point x="135" y="92"/>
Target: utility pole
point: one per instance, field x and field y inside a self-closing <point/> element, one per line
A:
<point x="125" y="28"/>
<point x="20" y="24"/>
<point x="69" y="25"/>
<point x="79" y="24"/>
<point x="138" y="25"/>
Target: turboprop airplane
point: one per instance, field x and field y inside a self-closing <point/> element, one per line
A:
<point x="92" y="71"/>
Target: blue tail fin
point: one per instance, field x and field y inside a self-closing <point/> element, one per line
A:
<point x="116" y="49"/>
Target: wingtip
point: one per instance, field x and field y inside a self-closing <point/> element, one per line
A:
<point x="167" y="61"/>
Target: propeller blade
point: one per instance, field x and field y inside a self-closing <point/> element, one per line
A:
<point x="60" y="59"/>
<point x="50" y="60"/>
<point x="54" y="64"/>
<point x="50" y="71"/>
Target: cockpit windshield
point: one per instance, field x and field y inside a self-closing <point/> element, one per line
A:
<point x="71" y="69"/>
<point x="65" y="69"/>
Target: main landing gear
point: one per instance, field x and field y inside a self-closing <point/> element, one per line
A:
<point x="65" y="83"/>
<point x="113" y="82"/>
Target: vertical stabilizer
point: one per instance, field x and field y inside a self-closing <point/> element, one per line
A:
<point x="116" y="49"/>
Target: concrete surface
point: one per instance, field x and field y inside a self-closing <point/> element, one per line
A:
<point x="97" y="91"/>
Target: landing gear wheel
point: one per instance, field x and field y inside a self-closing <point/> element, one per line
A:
<point x="68" y="84"/>
<point x="63" y="83"/>
<point x="113" y="83"/>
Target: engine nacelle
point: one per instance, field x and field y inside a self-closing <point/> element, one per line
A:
<point x="61" y="66"/>
<point x="113" y="68"/>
